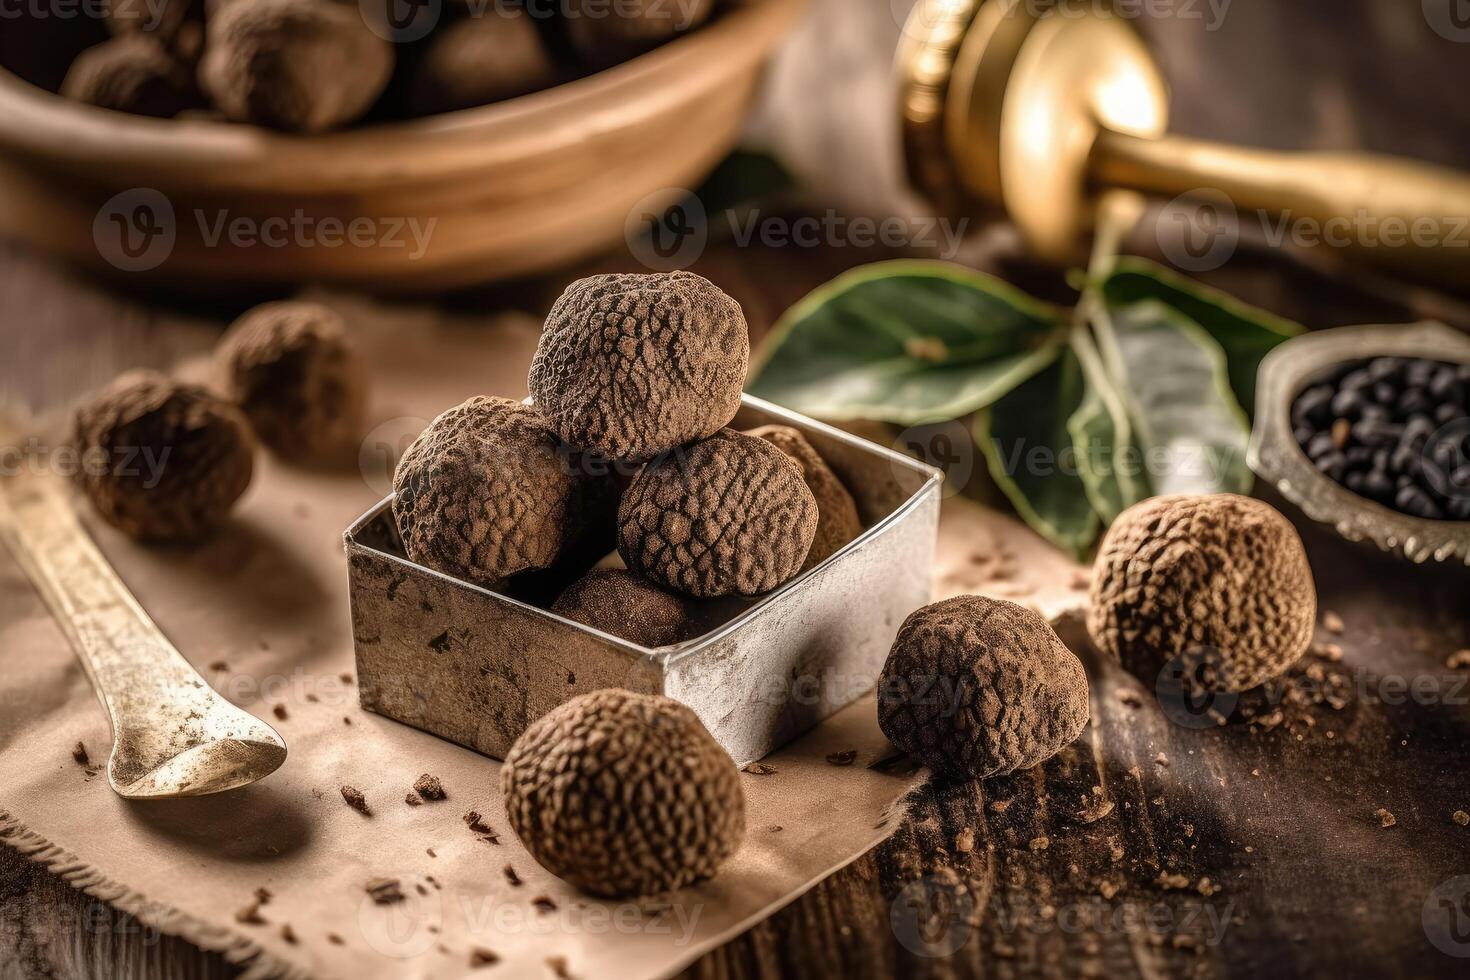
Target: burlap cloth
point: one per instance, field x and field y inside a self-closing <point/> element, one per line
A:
<point x="262" y="612"/>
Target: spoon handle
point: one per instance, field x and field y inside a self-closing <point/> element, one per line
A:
<point x="173" y="735"/>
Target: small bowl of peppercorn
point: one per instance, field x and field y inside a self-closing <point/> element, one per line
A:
<point x="1368" y="429"/>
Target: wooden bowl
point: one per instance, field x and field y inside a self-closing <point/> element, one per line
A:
<point x="494" y="192"/>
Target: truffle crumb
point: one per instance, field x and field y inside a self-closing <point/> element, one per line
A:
<point x="587" y="771"/>
<point x="837" y="516"/>
<point x="631" y="366"/>
<point x="1222" y="579"/>
<point x="177" y="458"/>
<point x="477" y="824"/>
<point x="288" y="935"/>
<point x="512" y="878"/>
<point x="618" y="602"/>
<point x="356" y="800"/>
<point x="759" y="769"/>
<point x="384" y="891"/>
<point x="1332" y="623"/>
<point x="485" y="492"/>
<point x="1172" y="882"/>
<point x="964" y="841"/>
<point x="543" y="903"/>
<point x="79" y="754"/>
<point x="300" y="67"/>
<point x="297" y="375"/>
<point x="250" y="914"/>
<point x="1461" y="817"/>
<point x="279" y="710"/>
<point x="480" y="956"/>
<point x="430" y="788"/>
<point x="1385" y="819"/>
<point x="1040" y="843"/>
<point x="729" y="515"/>
<point x="412" y="800"/>
<point x="843" y="758"/>
<point x="978" y="687"/>
<point x="1458" y="660"/>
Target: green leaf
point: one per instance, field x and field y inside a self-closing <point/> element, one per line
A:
<point x="1102" y="435"/>
<point x="1245" y="333"/>
<point x="906" y="342"/>
<point x="1187" y="422"/>
<point x="1027" y="442"/>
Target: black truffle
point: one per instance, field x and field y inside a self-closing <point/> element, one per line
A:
<point x="630" y="366"/>
<point x="162" y="461"/>
<point x="729" y="515"/>
<point x="981" y="687"/>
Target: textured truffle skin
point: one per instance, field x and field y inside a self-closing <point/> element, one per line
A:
<point x="624" y="795"/>
<point x="616" y="601"/>
<point x="162" y="461"/>
<point x="980" y="687"/>
<point x="726" y="516"/>
<point x="837" y="515"/>
<point x="131" y="73"/>
<point x="299" y="66"/>
<point x="631" y="366"/>
<point x="484" y="492"/>
<point x="479" y="60"/>
<point x="296" y="373"/>
<point x="1223" y="579"/>
<point x="605" y="34"/>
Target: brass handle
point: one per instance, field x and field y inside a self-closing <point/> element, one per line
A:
<point x="1411" y="217"/>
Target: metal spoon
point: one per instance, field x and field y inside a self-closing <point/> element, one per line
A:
<point x="173" y="735"/>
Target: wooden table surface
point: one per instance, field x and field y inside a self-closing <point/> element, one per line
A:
<point x="1150" y="848"/>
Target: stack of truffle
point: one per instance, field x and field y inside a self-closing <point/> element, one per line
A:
<point x="635" y="382"/>
<point x="165" y="461"/>
<point x="308" y="66"/>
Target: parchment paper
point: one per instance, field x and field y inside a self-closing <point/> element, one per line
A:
<point x="261" y="611"/>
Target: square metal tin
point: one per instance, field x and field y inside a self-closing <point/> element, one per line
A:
<point x="476" y="667"/>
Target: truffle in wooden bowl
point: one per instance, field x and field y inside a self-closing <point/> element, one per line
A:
<point x="469" y="196"/>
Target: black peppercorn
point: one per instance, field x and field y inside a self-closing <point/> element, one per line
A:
<point x="1388" y="429"/>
